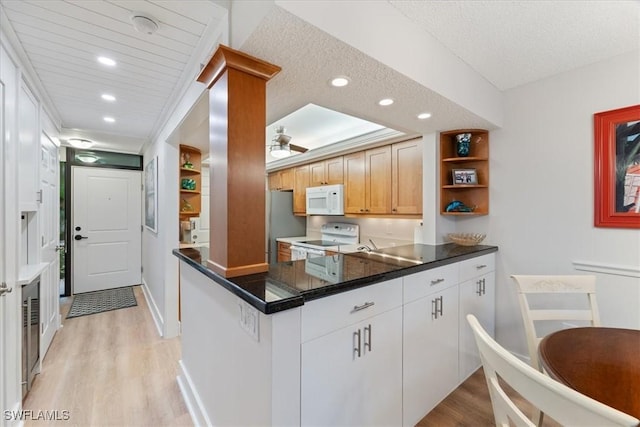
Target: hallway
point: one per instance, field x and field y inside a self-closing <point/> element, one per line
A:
<point x="112" y="369"/>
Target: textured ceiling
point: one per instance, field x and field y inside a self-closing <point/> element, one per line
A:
<point x="511" y="43"/>
<point x="310" y="57"/>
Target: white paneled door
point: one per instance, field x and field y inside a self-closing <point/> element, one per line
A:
<point x="49" y="239"/>
<point x="106" y="228"/>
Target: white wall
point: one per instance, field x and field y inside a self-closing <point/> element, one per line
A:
<point x="541" y="200"/>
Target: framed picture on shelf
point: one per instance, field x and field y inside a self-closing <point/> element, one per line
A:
<point x="464" y="177"/>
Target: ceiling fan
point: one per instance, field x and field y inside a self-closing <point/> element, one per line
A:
<point x="280" y="146"/>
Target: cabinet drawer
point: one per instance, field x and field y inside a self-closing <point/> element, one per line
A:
<point x="477" y="266"/>
<point x="331" y="313"/>
<point x="426" y="282"/>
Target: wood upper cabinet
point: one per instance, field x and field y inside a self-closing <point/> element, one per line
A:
<point x="354" y="177"/>
<point x="327" y="172"/>
<point x="406" y="177"/>
<point x="378" y="180"/>
<point x="281" y="180"/>
<point x="368" y="181"/>
<point x="301" y="182"/>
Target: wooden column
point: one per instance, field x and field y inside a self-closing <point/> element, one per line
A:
<point x="237" y="121"/>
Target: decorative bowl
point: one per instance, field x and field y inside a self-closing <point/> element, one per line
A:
<point x="466" y="239"/>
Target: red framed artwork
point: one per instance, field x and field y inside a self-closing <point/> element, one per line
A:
<point x="617" y="168"/>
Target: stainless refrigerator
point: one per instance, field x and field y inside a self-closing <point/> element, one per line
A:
<point x="281" y="222"/>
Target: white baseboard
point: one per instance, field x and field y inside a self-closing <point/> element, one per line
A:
<point x="192" y="398"/>
<point x="153" y="308"/>
<point x="618" y="270"/>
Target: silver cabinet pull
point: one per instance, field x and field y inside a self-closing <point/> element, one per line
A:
<point x="363" y="306"/>
<point x="479" y="289"/>
<point x="367" y="337"/>
<point x="435" y="282"/>
<point x="434" y="308"/>
<point x="356" y="343"/>
<point x="481" y="266"/>
<point x="484" y="291"/>
<point x="440" y="309"/>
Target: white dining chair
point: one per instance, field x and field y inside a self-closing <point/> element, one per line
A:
<point x="529" y="285"/>
<point x="563" y="404"/>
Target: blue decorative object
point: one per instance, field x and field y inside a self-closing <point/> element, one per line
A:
<point x="458" y="206"/>
<point x="463" y="144"/>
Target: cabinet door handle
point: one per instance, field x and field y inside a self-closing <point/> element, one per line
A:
<point x="479" y="290"/>
<point x="363" y="306"/>
<point x="440" y="309"/>
<point x="484" y="291"/>
<point x="435" y="282"/>
<point x="356" y="343"/>
<point x="481" y="266"/>
<point x="434" y="308"/>
<point x="367" y="337"/>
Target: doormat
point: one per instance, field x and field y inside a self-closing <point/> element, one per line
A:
<point x="101" y="301"/>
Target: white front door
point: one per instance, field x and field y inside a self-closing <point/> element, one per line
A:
<point x="49" y="238"/>
<point x="106" y="228"/>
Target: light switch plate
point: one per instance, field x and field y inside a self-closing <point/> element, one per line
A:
<point x="250" y="320"/>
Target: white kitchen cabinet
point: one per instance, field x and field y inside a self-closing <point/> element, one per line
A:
<point x="430" y="352"/>
<point x="477" y="297"/>
<point x="29" y="149"/>
<point x="353" y="376"/>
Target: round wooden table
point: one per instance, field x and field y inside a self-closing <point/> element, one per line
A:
<point x="602" y="363"/>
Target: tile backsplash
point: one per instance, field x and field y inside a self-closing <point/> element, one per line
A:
<point x="383" y="231"/>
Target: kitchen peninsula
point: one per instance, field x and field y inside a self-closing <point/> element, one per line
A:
<point x="350" y="339"/>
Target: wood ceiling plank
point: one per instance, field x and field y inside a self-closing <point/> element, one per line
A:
<point x="81" y="32"/>
<point x="189" y="35"/>
<point x="86" y="59"/>
<point x="83" y="20"/>
<point x="68" y="37"/>
<point x="108" y="80"/>
<point x="196" y="10"/>
<point x="163" y="14"/>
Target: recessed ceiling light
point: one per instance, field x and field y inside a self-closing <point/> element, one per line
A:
<point x="106" y="61"/>
<point x="385" y="102"/>
<point x="80" y="143"/>
<point x="109" y="119"/>
<point x="340" y="81"/>
<point x="108" y="97"/>
<point x="423" y="116"/>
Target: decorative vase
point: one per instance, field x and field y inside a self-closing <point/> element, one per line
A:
<point x="463" y="144"/>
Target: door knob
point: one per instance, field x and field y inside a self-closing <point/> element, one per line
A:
<point x="79" y="237"/>
<point x="4" y="289"/>
<point x="59" y="248"/>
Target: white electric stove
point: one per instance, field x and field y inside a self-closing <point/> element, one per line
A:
<point x="333" y="235"/>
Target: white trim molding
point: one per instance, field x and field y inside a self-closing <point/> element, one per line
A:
<point x="618" y="270"/>
<point x="191" y="397"/>
<point x="153" y="308"/>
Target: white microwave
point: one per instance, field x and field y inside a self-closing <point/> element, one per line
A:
<point x="325" y="200"/>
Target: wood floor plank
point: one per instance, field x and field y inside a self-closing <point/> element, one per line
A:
<point x="112" y="369"/>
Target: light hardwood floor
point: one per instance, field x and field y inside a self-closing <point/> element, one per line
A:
<point x="112" y="369"/>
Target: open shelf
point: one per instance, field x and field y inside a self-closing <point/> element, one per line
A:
<point x="472" y="195"/>
<point x="190" y="198"/>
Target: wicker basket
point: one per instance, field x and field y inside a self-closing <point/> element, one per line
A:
<point x="466" y="239"/>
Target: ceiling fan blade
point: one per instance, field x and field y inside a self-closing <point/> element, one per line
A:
<point x="298" y="148"/>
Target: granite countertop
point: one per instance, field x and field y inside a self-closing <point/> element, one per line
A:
<point x="289" y="284"/>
